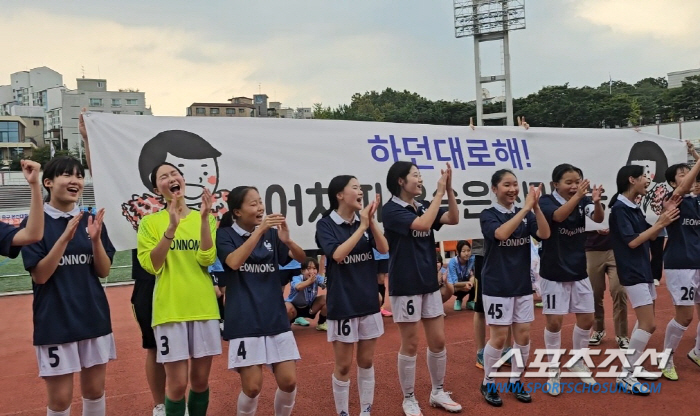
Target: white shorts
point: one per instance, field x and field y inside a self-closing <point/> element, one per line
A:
<point x="560" y="298"/>
<point x="353" y="330"/>
<point x="641" y="294"/>
<point x="684" y="286"/>
<point x="416" y="307"/>
<point x="60" y="359"/>
<point x="246" y="352"/>
<point x="177" y="341"/>
<point x="508" y="311"/>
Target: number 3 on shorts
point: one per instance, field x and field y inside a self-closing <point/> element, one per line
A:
<point x="164" y="345"/>
<point x="496" y="311"/>
<point x="241" y="350"/>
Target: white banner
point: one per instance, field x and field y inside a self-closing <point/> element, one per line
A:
<point x="292" y="161"/>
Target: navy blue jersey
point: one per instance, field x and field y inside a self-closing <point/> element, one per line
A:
<point x="506" y="269"/>
<point x="137" y="272"/>
<point x="352" y="283"/>
<point x="683" y="246"/>
<point x="412" y="253"/>
<point x="627" y="221"/>
<point x="564" y="253"/>
<point x="71" y="306"/>
<point x="7" y="233"/>
<point x="254" y="299"/>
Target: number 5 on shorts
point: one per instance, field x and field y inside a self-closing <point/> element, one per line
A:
<point x="52" y="355"/>
<point x="496" y="311"/>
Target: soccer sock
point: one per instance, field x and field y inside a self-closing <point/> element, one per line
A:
<point x="491" y="355"/>
<point x="94" y="407"/>
<point x="197" y="403"/>
<point x="246" y="405"/>
<point x="674" y="333"/>
<point x="525" y="354"/>
<point x="437" y="361"/>
<point x="341" y="395"/>
<point x="638" y="342"/>
<point x="636" y="326"/>
<point x="175" y="408"/>
<point x="382" y="291"/>
<point x="50" y="412"/>
<point x="581" y="337"/>
<point x="284" y="402"/>
<point x="321" y="318"/>
<point x="552" y="341"/>
<point x="697" y="341"/>
<point x="407" y="374"/>
<point x="365" y="385"/>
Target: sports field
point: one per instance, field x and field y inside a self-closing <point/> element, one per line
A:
<point x="127" y="391"/>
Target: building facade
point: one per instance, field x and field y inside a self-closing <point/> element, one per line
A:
<point x="236" y="107"/>
<point x="675" y="79"/>
<point x="13" y="141"/>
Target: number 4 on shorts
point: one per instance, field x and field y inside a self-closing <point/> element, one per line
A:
<point x="496" y="311"/>
<point x="241" y="350"/>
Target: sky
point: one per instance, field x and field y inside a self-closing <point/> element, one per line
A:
<point x="323" y="51"/>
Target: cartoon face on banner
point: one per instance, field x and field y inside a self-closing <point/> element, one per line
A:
<point x="650" y="155"/>
<point x="196" y="158"/>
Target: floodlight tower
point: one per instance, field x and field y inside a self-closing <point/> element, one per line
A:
<point x="490" y="20"/>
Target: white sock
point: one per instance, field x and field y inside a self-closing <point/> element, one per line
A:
<point x="437" y="362"/>
<point x="581" y="337"/>
<point x="638" y="343"/>
<point x="95" y="407"/>
<point x="636" y="326"/>
<point x="674" y="333"/>
<point x="284" y="402"/>
<point x="247" y="405"/>
<point x="407" y="374"/>
<point x="491" y="355"/>
<point x="50" y="412"/>
<point x="341" y="395"/>
<point x="525" y="353"/>
<point x="697" y="341"/>
<point x="552" y="341"/>
<point x="365" y="385"/>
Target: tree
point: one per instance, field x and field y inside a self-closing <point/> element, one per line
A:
<point x="635" y="112"/>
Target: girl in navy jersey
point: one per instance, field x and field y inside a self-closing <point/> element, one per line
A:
<point x="682" y="259"/>
<point x="630" y="234"/>
<point x="564" y="283"/>
<point x="414" y="291"/>
<point x="353" y="311"/>
<point x="13" y="238"/>
<point x="251" y="249"/>
<point x="507" y="288"/>
<point x="72" y="326"/>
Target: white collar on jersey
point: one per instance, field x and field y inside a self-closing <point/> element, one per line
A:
<point x="560" y="199"/>
<point x="56" y="213"/>
<point x="404" y="203"/>
<point x="340" y="220"/>
<point x="626" y="201"/>
<point x="237" y="228"/>
<point x="504" y="210"/>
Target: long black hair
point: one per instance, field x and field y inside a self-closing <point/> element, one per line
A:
<point x="335" y="187"/>
<point x="234" y="201"/>
<point x="179" y="143"/>
<point x="57" y="167"/>
<point x="623" y="179"/>
<point x="399" y="170"/>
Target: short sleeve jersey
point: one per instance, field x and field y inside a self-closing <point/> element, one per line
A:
<point x="352" y="282"/>
<point x="412" y="253"/>
<point x="71" y="306"/>
<point x="683" y="247"/>
<point x="183" y="290"/>
<point x="506" y="270"/>
<point x="254" y="298"/>
<point x="564" y="253"/>
<point x="7" y="234"/>
<point x="627" y="221"/>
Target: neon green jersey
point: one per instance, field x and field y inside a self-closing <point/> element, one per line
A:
<point x="184" y="290"/>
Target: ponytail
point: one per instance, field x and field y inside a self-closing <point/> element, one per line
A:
<point x="326" y="213"/>
<point x="623" y="179"/>
<point x="226" y="220"/>
<point x="335" y="187"/>
<point x="613" y="200"/>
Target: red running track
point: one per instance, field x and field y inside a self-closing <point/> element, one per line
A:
<point x="127" y="392"/>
